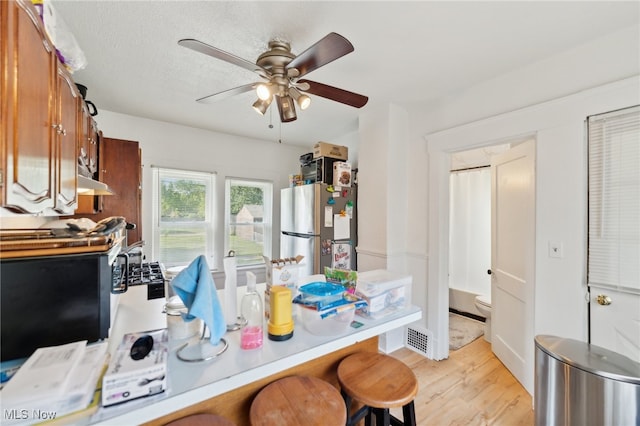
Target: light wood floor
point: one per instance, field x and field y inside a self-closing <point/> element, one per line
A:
<point x="471" y="387"/>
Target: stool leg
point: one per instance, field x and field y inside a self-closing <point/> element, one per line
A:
<point x="409" y="414"/>
<point x="347" y="402"/>
<point x="383" y="418"/>
<point x="367" y="419"/>
<point x="353" y="420"/>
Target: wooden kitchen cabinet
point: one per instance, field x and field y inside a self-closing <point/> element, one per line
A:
<point x="120" y="167"/>
<point x="67" y="136"/>
<point x="88" y="144"/>
<point x="39" y="102"/>
<point x="28" y="86"/>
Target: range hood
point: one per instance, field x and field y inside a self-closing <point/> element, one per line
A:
<point x="88" y="186"/>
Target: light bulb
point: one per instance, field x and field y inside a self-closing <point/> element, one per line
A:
<point x="303" y="101"/>
<point x="263" y="91"/>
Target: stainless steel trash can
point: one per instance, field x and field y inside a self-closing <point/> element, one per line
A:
<point x="577" y="383"/>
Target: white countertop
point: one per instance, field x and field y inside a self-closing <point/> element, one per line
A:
<point x="190" y="383"/>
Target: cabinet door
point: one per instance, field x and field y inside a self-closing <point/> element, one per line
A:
<point x="28" y="64"/>
<point x="92" y="149"/>
<point x="121" y="168"/>
<point x="67" y="140"/>
<point x="88" y="143"/>
<point x="84" y="139"/>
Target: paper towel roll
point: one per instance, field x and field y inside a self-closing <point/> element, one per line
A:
<point x="230" y="289"/>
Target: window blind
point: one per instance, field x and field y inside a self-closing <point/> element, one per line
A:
<point x="614" y="200"/>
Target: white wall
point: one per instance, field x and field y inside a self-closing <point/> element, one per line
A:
<point x="548" y="99"/>
<point x="558" y="126"/>
<point x="170" y="145"/>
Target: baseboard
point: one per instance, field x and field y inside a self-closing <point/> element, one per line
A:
<point x="467" y="314"/>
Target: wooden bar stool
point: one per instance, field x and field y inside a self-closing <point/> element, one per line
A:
<point x="201" y="420"/>
<point x="298" y="400"/>
<point x="380" y="382"/>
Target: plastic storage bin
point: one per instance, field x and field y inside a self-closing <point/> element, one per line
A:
<point x="336" y="324"/>
<point x="320" y="292"/>
<point x="385" y="292"/>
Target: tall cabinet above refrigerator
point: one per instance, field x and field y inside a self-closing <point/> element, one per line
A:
<point x="319" y="222"/>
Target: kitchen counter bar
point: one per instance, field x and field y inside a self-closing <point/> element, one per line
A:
<point x="191" y="384"/>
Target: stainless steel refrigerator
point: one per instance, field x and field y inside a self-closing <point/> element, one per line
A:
<point x="319" y="225"/>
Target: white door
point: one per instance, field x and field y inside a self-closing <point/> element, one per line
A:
<point x="615" y="321"/>
<point x="512" y="259"/>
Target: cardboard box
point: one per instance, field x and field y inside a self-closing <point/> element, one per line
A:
<point x="385" y="292"/>
<point x="341" y="174"/>
<point x="127" y="379"/>
<point x="324" y="149"/>
<point x="281" y="272"/>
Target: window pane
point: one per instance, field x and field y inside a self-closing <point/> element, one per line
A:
<point x="182" y="244"/>
<point x="182" y="199"/>
<point x="248" y="218"/>
<point x="183" y="215"/>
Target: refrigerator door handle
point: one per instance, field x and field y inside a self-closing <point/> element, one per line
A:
<point x="294" y="234"/>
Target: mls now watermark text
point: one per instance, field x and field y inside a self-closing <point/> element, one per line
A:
<point x="24" y="414"/>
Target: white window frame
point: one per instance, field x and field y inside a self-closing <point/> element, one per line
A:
<point x="267" y="219"/>
<point x="210" y="209"/>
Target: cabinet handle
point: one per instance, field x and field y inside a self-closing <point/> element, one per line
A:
<point x="59" y="129"/>
<point x="603" y="300"/>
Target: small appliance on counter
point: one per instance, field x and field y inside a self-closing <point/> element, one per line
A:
<point x="280" y="326"/>
<point x="61" y="285"/>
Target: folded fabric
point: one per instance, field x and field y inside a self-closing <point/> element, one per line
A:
<point x="196" y="288"/>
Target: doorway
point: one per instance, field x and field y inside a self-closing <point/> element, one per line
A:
<point x="438" y="303"/>
<point x="470" y="227"/>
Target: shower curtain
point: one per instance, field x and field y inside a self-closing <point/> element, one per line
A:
<point x="470" y="230"/>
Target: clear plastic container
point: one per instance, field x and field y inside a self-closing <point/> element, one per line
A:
<point x="315" y="324"/>
<point x="251" y="310"/>
<point x="324" y="292"/>
<point x="178" y="327"/>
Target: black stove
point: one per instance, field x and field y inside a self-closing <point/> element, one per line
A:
<point x="149" y="274"/>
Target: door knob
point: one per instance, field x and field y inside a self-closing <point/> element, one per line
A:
<point x="603" y="300"/>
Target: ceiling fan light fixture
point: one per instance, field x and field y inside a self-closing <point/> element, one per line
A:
<point x="287" y="108"/>
<point x="263" y="91"/>
<point x="302" y="100"/>
<point x="261" y="106"/>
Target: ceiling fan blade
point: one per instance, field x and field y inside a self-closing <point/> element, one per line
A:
<point x="328" y="49"/>
<point x="201" y="47"/>
<point x="335" y="94"/>
<point x="227" y="93"/>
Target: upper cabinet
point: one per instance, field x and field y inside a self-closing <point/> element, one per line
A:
<point x="28" y="151"/>
<point x="40" y="104"/>
<point x="67" y="140"/>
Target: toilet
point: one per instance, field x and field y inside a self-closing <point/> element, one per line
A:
<point x="483" y="305"/>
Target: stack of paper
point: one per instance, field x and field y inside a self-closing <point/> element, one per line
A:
<point x="54" y="381"/>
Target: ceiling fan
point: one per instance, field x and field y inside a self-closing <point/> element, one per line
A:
<point x="281" y="71"/>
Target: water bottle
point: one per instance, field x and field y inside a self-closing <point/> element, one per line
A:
<point x="252" y="317"/>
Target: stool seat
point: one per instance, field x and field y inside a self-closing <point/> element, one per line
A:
<point x="380" y="382"/>
<point x="201" y="420"/>
<point x="377" y="380"/>
<point x="298" y="400"/>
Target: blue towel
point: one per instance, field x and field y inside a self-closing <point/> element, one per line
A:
<point x="197" y="290"/>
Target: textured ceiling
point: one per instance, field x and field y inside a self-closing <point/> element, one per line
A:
<point x="405" y="52"/>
